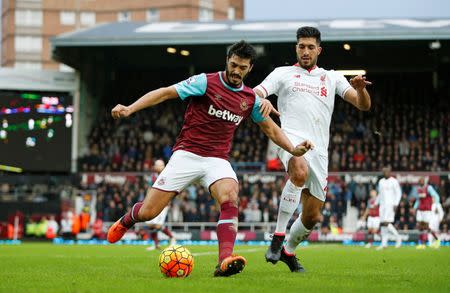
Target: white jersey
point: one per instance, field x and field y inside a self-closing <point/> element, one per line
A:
<point x="305" y="101"/>
<point x="389" y="192"/>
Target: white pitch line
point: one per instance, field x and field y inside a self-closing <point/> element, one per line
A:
<point x="215" y="252"/>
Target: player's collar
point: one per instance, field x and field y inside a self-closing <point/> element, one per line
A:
<point x="234" y="89"/>
<point x="309" y="70"/>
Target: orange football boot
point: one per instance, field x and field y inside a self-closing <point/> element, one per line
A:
<point x="116" y="231"/>
<point x="231" y="265"/>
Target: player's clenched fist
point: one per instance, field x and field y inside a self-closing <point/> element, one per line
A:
<point x="120" y="111"/>
<point x="302" y="148"/>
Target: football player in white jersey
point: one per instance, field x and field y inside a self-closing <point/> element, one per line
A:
<point x="389" y="194"/>
<point x="306" y="96"/>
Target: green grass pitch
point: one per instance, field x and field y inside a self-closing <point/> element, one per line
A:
<point x="122" y="268"/>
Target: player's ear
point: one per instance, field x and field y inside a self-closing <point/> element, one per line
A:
<point x="319" y="49"/>
<point x="251" y="67"/>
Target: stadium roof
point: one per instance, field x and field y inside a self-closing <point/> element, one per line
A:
<point x="198" y="33"/>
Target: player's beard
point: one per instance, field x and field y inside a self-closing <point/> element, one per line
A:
<point x="308" y="66"/>
<point x="229" y="75"/>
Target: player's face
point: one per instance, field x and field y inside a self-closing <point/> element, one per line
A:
<point x="421" y="181"/>
<point x="237" y="70"/>
<point x="386" y="172"/>
<point x="308" y="50"/>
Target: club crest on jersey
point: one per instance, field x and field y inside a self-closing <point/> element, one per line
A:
<point x="297" y="76"/>
<point x="218" y="97"/>
<point x="323" y="77"/>
<point x="191" y="79"/>
<point x="244" y="105"/>
<point x="161" y="181"/>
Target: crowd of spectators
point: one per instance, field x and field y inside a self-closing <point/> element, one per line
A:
<point x="258" y="202"/>
<point x="406" y="128"/>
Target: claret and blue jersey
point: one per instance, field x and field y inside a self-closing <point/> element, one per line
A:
<point x="214" y="112"/>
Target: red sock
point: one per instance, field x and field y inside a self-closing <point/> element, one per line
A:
<point x="227" y="229"/>
<point x="423" y="238"/>
<point x="130" y="218"/>
<point x="155" y="239"/>
<point x="167" y="232"/>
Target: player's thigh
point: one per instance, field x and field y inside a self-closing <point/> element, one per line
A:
<point x="182" y="169"/>
<point x="224" y="190"/>
<point x="220" y="179"/>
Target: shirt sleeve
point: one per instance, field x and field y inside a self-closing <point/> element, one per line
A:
<point x="271" y="84"/>
<point x="342" y="84"/>
<point x="256" y="111"/>
<point x="416" y="204"/>
<point x="193" y="86"/>
<point x="433" y="193"/>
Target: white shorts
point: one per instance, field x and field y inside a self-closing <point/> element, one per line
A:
<point x="387" y="214"/>
<point x="160" y="219"/>
<point x="434" y="224"/>
<point x="423" y="216"/>
<point x="185" y="168"/>
<point x="317" y="168"/>
<point x="373" y="223"/>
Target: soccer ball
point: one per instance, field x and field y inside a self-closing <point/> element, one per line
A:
<point x="176" y="262"/>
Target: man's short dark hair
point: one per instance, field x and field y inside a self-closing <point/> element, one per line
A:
<point x="243" y="50"/>
<point x="308" y="32"/>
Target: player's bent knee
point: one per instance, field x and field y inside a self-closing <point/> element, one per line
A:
<point x="298" y="171"/>
<point x="230" y="193"/>
<point x="298" y="177"/>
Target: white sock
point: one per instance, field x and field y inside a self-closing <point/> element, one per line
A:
<point x="384" y="236"/>
<point x="298" y="233"/>
<point x="392" y="229"/>
<point x="289" y="201"/>
<point x="430" y="238"/>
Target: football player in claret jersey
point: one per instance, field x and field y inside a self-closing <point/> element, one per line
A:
<point x="426" y="195"/>
<point x="218" y="102"/>
<point x="306" y="95"/>
<point x="372" y="214"/>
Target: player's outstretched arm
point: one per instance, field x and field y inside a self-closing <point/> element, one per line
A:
<point x="358" y="95"/>
<point x="274" y="132"/>
<point x="148" y="100"/>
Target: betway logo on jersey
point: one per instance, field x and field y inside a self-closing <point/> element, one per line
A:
<point x="225" y="115"/>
